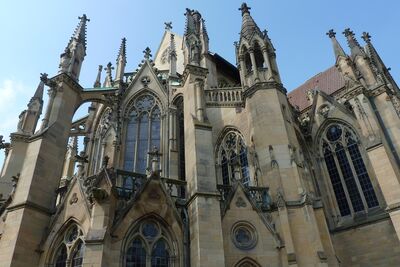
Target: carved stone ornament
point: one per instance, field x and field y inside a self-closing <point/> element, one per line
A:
<point x="240" y="203"/>
<point x="145" y="81"/>
<point x="74" y="199"/>
<point x="324" y="110"/>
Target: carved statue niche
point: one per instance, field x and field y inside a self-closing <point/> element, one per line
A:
<point x="65" y="60"/>
<point x="21" y="117"/>
<point x="195" y="50"/>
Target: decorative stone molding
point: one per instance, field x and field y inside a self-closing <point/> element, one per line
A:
<point x="244" y="235"/>
<point x="249" y="92"/>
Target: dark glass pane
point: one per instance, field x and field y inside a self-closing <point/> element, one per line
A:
<point x="349" y="179"/>
<point x="77" y="255"/>
<point x="61" y="257"/>
<point x="136" y="255"/>
<point x="362" y="174"/>
<point x="155" y="128"/>
<point x="72" y="233"/>
<point x="336" y="183"/>
<point x="150" y="230"/>
<point x="181" y="140"/>
<point x="160" y="255"/>
<point x="232" y="163"/>
<point x="141" y="157"/>
<point x="130" y="144"/>
<point x="244" y="166"/>
<point x="243" y="236"/>
<point x="333" y="133"/>
<point x="225" y="169"/>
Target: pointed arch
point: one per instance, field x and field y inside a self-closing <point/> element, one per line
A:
<point x="142" y="130"/>
<point x="247" y="262"/>
<point x="244" y="52"/>
<point x="231" y="151"/>
<point x="150" y="237"/>
<point x="350" y="182"/>
<point x="258" y="55"/>
<point x="180" y="138"/>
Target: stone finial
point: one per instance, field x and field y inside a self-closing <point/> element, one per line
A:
<point x="84" y="18"/>
<point x="147" y="53"/>
<point x="348" y="32"/>
<point x="168" y="25"/>
<point x="244" y="8"/>
<point x="331" y="33"/>
<point x="3" y="144"/>
<point x="44" y="77"/>
<point x="366" y="37"/>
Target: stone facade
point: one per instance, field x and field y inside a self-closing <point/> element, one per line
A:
<point x="191" y="161"/>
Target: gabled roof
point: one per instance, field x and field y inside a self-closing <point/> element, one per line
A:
<point x="328" y="81"/>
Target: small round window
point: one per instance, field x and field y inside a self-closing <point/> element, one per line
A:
<point x="244" y="235"/>
<point x="333" y="133"/>
<point x="150" y="230"/>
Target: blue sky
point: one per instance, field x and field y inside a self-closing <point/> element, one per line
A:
<point x="34" y="33"/>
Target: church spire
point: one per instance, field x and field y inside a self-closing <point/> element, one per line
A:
<point x="337" y="48"/>
<point x="75" y="52"/>
<point x="248" y="24"/>
<point x="97" y="83"/>
<point x="355" y="47"/>
<point x="121" y="61"/>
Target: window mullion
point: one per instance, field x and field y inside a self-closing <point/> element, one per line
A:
<point x="135" y="150"/>
<point x="356" y="179"/>
<point x="346" y="192"/>
<point x="149" y="141"/>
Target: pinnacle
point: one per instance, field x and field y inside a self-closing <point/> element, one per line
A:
<point x="80" y="31"/>
<point x="244" y="8"/>
<point x="248" y="24"/>
<point x="122" y="50"/>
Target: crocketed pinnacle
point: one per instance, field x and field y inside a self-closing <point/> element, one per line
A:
<point x="80" y="32"/>
<point x="122" y="51"/>
<point x="248" y="24"/>
<point x="355" y="47"/>
<point x="40" y="89"/>
<point x="337" y="48"/>
<point x="97" y="82"/>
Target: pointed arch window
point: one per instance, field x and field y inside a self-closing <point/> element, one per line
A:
<point x="232" y="153"/>
<point x="180" y="125"/>
<point x="71" y="248"/>
<point x="349" y="177"/>
<point x="247" y="60"/>
<point x="143" y="132"/>
<point x="149" y="246"/>
<point x="99" y="139"/>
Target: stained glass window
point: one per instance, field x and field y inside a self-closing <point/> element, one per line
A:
<point x="142" y="133"/>
<point x="77" y="255"/>
<point x="136" y="254"/>
<point x="61" y="257"/>
<point x="160" y="255"/>
<point x="233" y="154"/>
<point x="347" y="171"/>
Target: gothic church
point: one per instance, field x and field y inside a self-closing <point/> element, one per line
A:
<point x="192" y="161"/>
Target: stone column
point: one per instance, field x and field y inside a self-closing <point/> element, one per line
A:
<point x="266" y="60"/>
<point x="199" y="87"/>
<point x="242" y="71"/>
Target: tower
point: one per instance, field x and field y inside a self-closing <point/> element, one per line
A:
<point x="275" y="140"/>
<point x="33" y="200"/>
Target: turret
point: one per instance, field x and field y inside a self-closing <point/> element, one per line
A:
<point x="195" y="39"/>
<point x="121" y="62"/>
<point x="343" y="61"/>
<point x="29" y="118"/>
<point x="360" y="59"/>
<point x="255" y="53"/>
<point x="75" y="52"/>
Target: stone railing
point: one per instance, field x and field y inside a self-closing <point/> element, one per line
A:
<point x="229" y="97"/>
<point x="259" y="195"/>
<point x="128" y="184"/>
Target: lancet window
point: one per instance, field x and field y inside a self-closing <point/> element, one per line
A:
<point x="349" y="177"/>
<point x="142" y="133"/>
<point x="232" y="154"/>
<point x="71" y="248"/>
<point x="100" y="139"/>
<point x="149" y="246"/>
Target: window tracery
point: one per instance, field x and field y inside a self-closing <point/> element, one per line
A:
<point x="349" y="177"/>
<point x="148" y="247"/>
<point x="232" y="153"/>
<point x="143" y="132"/>
<point x="70" y="251"/>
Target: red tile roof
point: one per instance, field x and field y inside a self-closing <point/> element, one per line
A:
<point x="328" y="81"/>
